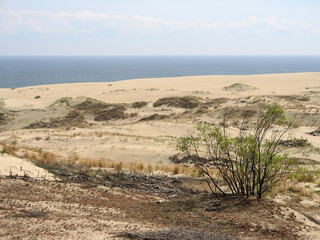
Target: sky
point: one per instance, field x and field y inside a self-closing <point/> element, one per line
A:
<point x="159" y="27"/>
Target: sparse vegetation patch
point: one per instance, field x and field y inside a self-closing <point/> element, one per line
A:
<point x="92" y="105"/>
<point x="295" y="143"/>
<point x="64" y="100"/>
<point x="315" y="132"/>
<point x="72" y="119"/>
<point x="114" y="112"/>
<point x="155" y="116"/>
<point x="239" y="87"/>
<point x="179" y="102"/>
<point x="139" y="104"/>
<point x="292" y="98"/>
<point x="102" y="111"/>
<point x="2" y="118"/>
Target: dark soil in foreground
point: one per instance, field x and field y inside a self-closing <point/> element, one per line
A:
<point x="60" y="210"/>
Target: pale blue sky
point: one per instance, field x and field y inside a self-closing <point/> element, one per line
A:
<point x="159" y="27"/>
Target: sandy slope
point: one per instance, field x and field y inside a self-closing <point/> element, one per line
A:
<point x="10" y="165"/>
<point x="150" y="142"/>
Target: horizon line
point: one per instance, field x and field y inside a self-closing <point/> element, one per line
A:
<point x="159" y="55"/>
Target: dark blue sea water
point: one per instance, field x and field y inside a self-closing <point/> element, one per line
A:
<point x="20" y="71"/>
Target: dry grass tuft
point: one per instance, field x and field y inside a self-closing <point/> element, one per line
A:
<point x="294" y="188"/>
<point x="162" y="168"/>
<point x="300" y="190"/>
<point x="150" y="168"/>
<point x="306" y="177"/>
<point x="9" y="149"/>
<point x="48" y="158"/>
<point x="91" y="163"/>
<point x="118" y="166"/>
<point x="196" y="186"/>
<point x="176" y="169"/>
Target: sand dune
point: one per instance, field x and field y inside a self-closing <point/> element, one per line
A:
<point x="152" y="89"/>
<point x="148" y="134"/>
<point x="138" y="122"/>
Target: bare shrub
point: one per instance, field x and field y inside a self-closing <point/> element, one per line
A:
<point x="249" y="164"/>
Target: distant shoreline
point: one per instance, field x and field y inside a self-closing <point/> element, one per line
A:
<point x="23" y="71"/>
<point x="164" y="78"/>
<point x="159" y="78"/>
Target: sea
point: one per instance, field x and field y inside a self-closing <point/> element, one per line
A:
<point x="22" y="71"/>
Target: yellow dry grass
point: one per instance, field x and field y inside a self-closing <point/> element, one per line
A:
<point x="293" y="188"/>
<point x="197" y="186"/>
<point x="49" y="158"/>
